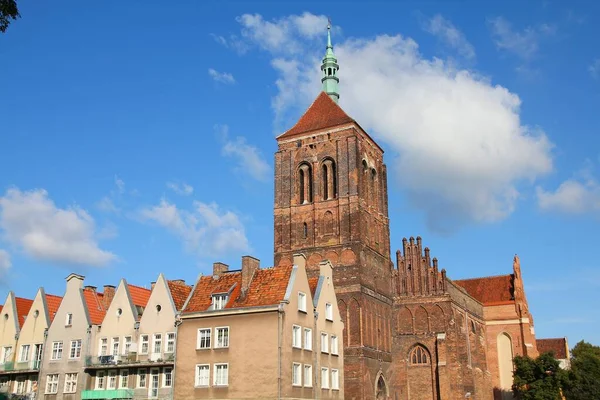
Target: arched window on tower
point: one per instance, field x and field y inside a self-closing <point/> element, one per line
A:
<point x="419" y="356"/>
<point x="373" y="186"/>
<point x="304" y="230"/>
<point x="304" y="185"/>
<point x="329" y="180"/>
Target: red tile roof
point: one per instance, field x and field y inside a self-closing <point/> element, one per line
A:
<point x="52" y="302"/>
<point x="558" y="346"/>
<point x="267" y="288"/>
<point x="312" y="283"/>
<point x="139" y="295"/>
<point x="490" y="290"/>
<point x="23" y="307"/>
<point x="322" y="113"/>
<point x="179" y="293"/>
<point x="93" y="301"/>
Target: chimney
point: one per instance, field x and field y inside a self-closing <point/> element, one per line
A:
<point x="90" y="288"/>
<point x="220" y="268"/>
<point x="75" y="280"/>
<point x="180" y="282"/>
<point x="109" y="295"/>
<point x="249" y="265"/>
<point x="152" y="284"/>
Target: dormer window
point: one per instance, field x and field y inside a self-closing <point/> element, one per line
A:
<point x="219" y="301"/>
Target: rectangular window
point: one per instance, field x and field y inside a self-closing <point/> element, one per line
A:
<point x="222" y="336"/>
<point x="142" y="373"/>
<point x="296" y="337"/>
<point x="202" y="375"/>
<point x="21" y="385"/>
<point x="70" y="383"/>
<point x="157" y="343"/>
<point x="324" y="378"/>
<point x="75" y="349"/>
<point x="221" y="375"/>
<point x="144" y="346"/>
<point x="57" y="349"/>
<point x="24" y="355"/>
<point x="6" y="354"/>
<point x="52" y="384"/>
<point x="69" y="319"/>
<point x="334" y="345"/>
<point x="335" y="379"/>
<point x="170" y="343"/>
<point x="324" y="343"/>
<point x="103" y="346"/>
<point x="296" y="374"/>
<point x="124" y="378"/>
<point x="307" y="339"/>
<point x="203" y="338"/>
<point x="100" y="380"/>
<point x="301" y="302"/>
<point x="168" y="377"/>
<point x="307" y="375"/>
<point x="219" y="301"/>
<point x="328" y="312"/>
<point x="112" y="379"/>
<point x="115" y="346"/>
<point x="127" y="345"/>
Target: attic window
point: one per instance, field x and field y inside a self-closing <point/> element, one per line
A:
<point x="5" y="316"/>
<point x="219" y="301"/>
<point x="36" y="313"/>
<point x="158" y="307"/>
<point x="119" y="312"/>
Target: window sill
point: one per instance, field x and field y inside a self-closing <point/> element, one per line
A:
<point x="297" y="385"/>
<point x="296" y="347"/>
<point x="221" y="386"/>
<point x="221" y="348"/>
<point x="302" y="311"/>
<point x="201" y="387"/>
<point x="203" y="348"/>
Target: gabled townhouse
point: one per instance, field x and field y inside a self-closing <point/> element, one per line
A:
<point x="31" y="343"/>
<point x="70" y="337"/>
<point x="261" y="333"/>
<point x="14" y="314"/>
<point x="135" y="351"/>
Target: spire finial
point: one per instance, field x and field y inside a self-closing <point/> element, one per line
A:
<point x="329" y="33"/>
<point x="330" y="68"/>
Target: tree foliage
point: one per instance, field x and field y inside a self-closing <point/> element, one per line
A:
<point x="537" y="379"/>
<point x="583" y="379"/>
<point x="8" y="11"/>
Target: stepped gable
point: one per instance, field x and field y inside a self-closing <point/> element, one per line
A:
<point x="139" y="295"/>
<point x="490" y="290"/>
<point x="267" y="288"/>
<point x="23" y="306"/>
<point x="93" y="301"/>
<point x="558" y="346"/>
<point x="52" y="302"/>
<point x="179" y="293"/>
<point x="322" y="113"/>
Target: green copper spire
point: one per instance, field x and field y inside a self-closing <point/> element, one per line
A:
<point x="330" y="69"/>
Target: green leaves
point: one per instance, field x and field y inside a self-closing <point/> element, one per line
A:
<point x="8" y="11"/>
<point x="539" y="379"/>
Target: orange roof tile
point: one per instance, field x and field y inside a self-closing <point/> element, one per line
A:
<point x="93" y="301"/>
<point x="52" y="302"/>
<point x="139" y="295"/>
<point x="557" y="346"/>
<point x="312" y="283"/>
<point x="490" y="290"/>
<point x="268" y="287"/>
<point x="322" y="113"/>
<point x="179" y="293"/>
<point x="23" y="306"/>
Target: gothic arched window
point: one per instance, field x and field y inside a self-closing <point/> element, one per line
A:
<point x="329" y="181"/>
<point x="419" y="356"/>
<point x="304" y="184"/>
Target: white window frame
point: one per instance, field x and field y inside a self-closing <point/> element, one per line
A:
<point x="302" y="302"/>
<point x="144" y="342"/>
<point x="199" y="339"/>
<point x="335" y="379"/>
<point x="324" y="378"/>
<point x="52" y="383"/>
<point x="124" y="378"/>
<point x="197" y="375"/>
<point x="164" y="380"/>
<point x="6" y="353"/>
<point x="217" y="345"/>
<point x="24" y="353"/>
<point x="57" y="350"/>
<point x="334" y="345"/>
<point x="76" y="348"/>
<point x="170" y="343"/>
<point x="296" y="337"/>
<point x="70" y="385"/>
<point x="324" y="342"/>
<point x="215" y="374"/>
<point x="308" y="378"/>
<point x="140" y="372"/>
<point x="308" y="339"/>
<point x="219" y="301"/>
<point x="328" y="311"/>
<point x="103" y="351"/>
<point x="69" y="319"/>
<point x="296" y="374"/>
<point x="100" y="377"/>
<point x="127" y="340"/>
<point x="115" y="346"/>
<point x="113" y="373"/>
<point x="157" y="338"/>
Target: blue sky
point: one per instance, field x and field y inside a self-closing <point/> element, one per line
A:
<point x="137" y="139"/>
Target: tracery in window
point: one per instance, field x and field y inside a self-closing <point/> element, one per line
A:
<point x="419" y="356"/>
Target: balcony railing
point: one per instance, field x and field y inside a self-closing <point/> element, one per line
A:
<point x="129" y="359"/>
<point x="12" y="366"/>
<point x="107" y="394"/>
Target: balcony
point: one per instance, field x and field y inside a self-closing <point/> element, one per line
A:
<point x="19" y="367"/>
<point x="129" y="360"/>
<point x="107" y="394"/>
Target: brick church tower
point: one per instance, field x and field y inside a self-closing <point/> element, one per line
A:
<point x="331" y="202"/>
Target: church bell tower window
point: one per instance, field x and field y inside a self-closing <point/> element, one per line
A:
<point x="304" y="184"/>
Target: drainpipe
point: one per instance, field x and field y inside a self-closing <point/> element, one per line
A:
<point x="280" y="312"/>
<point x="178" y="322"/>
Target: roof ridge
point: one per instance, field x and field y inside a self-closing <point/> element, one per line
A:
<point x="482" y="277"/>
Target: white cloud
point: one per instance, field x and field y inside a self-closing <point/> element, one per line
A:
<point x="452" y="36"/>
<point x="524" y="44"/>
<point x="594" y="69"/>
<point x="182" y="189"/>
<point x="107" y="205"/>
<point x="45" y="232"/>
<point x="222" y="77"/>
<point x="206" y="230"/>
<point x="249" y="159"/>
<point x="233" y="42"/>
<point x="5" y="263"/>
<point x="462" y="148"/>
<point x="120" y="184"/>
<point x="578" y="195"/>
